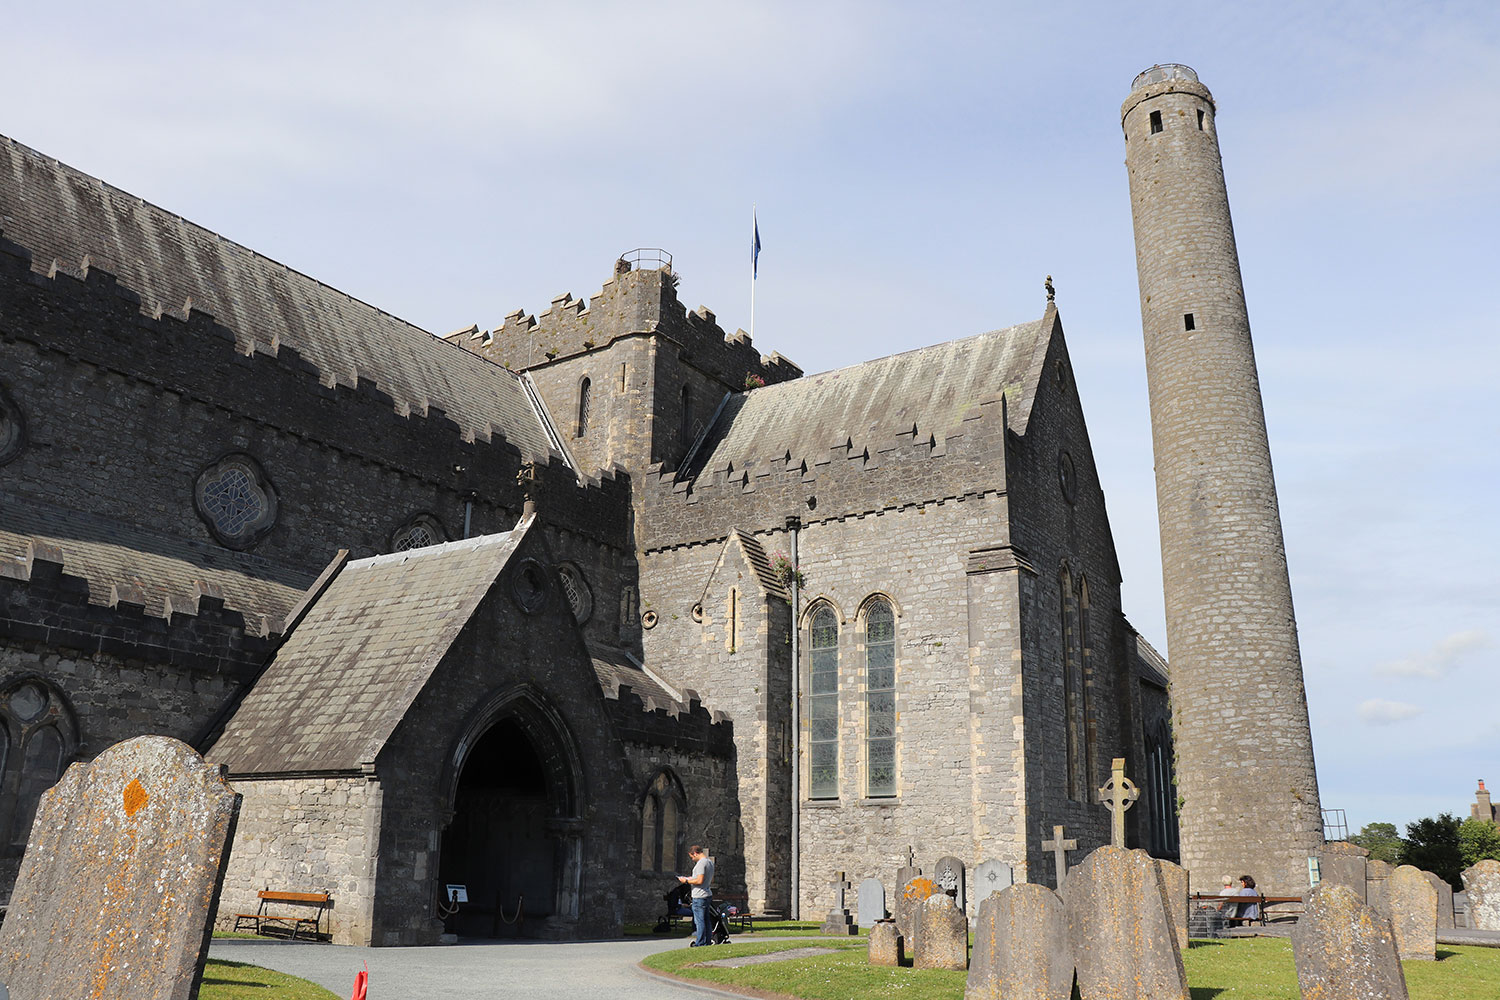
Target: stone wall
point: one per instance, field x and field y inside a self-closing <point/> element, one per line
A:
<point x="123" y="411"/>
<point x="308" y="834"/>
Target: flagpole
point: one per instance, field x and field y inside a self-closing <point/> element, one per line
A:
<point x="755" y="231"/>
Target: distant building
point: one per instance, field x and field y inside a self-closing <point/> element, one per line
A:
<point x="1482" y="809"/>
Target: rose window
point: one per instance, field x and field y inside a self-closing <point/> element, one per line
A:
<point x="236" y="501"/>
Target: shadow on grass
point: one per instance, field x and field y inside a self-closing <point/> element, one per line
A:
<point x="1205" y="944"/>
<point x="1204" y="992"/>
<point x="1443" y="953"/>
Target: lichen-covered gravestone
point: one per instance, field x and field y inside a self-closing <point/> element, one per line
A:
<point x="886" y="944"/>
<point x="1377" y="885"/>
<point x="1343" y="863"/>
<point x="1174" y="885"/>
<point x="1123" y="941"/>
<point x="116" y="894"/>
<point x="871" y="902"/>
<point x="949" y="873"/>
<point x="1413" y="913"/>
<point x="1444" y="901"/>
<point x="1345" y="950"/>
<point x="909" y="908"/>
<point x="942" y="936"/>
<point x="1482" y="885"/>
<point x="1021" y="947"/>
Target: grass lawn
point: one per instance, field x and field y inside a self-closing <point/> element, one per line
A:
<point x="767" y="928"/>
<point x="238" y="981"/>
<point x="1245" y="969"/>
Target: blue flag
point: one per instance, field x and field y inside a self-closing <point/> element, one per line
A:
<point x="755" y="248"/>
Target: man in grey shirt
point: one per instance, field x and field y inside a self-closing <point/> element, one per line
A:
<point x="702" y="881"/>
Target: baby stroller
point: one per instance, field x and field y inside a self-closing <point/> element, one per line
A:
<point x="679" y="904"/>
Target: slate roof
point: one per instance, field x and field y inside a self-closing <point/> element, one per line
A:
<point x="614" y="668"/>
<point x="1153" y="665"/>
<point x="61" y="214"/>
<point x="868" y="405"/>
<point x="156" y="571"/>
<point x="348" y="673"/>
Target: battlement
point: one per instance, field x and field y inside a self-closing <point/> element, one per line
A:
<point x="191" y="629"/>
<point x="688" y="727"/>
<point x="633" y="302"/>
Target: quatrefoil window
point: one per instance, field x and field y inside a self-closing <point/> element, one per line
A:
<point x="236" y="500"/>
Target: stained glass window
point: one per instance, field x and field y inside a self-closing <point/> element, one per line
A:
<point x="880" y="699"/>
<point x="37" y="734"/>
<point x="421" y="531"/>
<point x="664" y="825"/>
<point x="823" y="705"/>
<point x="580" y="599"/>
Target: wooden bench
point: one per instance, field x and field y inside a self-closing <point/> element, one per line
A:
<point x="1262" y="901"/>
<point x="743" y="920"/>
<point x="260" y="919"/>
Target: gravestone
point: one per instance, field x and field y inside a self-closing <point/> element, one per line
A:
<point x="1413" y="913"/>
<point x="1482" y="886"/>
<point x="1343" y="863"/>
<point x="1021" y="947"/>
<point x="909" y="908"/>
<point x="942" y="935"/>
<point x="989" y="878"/>
<point x="908" y="871"/>
<point x="1118" y="794"/>
<point x="1444" y="901"/>
<point x="1377" y="885"/>
<point x="1174" y="887"/>
<point x="116" y="894"/>
<point x="948" y="873"/>
<point x="838" y="920"/>
<point x="1123" y="941"/>
<point x="1059" y="846"/>
<point x="886" y="944"/>
<point x="1344" y="950"/>
<point x="871" y="902"/>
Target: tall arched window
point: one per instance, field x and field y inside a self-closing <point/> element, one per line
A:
<point x="880" y="699"/>
<point x="685" y="429"/>
<point x="823" y="705"/>
<point x="1161" y="791"/>
<point x="664" y="825"/>
<point x="1072" y="677"/>
<point x="585" y="394"/>
<point x="39" y="735"/>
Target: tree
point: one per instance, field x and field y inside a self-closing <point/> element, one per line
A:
<point x="1381" y="840"/>
<point x="1432" y="845"/>
<point x="1478" y="839"/>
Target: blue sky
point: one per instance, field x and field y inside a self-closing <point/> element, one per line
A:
<point x="918" y="170"/>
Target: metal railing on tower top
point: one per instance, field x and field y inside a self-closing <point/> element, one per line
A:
<point x="645" y="259"/>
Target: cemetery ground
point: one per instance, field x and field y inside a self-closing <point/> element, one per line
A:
<point x="1229" y="969"/>
<point x="239" y="981"/>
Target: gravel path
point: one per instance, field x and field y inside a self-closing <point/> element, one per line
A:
<point x="592" y="970"/>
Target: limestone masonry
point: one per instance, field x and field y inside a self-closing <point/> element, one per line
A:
<point x="512" y="610"/>
<point x="1249" y="791"/>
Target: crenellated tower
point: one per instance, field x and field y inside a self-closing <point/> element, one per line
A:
<point x="1246" y="780"/>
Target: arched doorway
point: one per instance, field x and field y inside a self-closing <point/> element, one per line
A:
<point x="515" y="840"/>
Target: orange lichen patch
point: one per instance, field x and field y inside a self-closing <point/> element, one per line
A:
<point x="135" y="797"/>
<point x="920" y="888"/>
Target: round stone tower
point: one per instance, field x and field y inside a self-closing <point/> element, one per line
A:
<point x="1245" y="776"/>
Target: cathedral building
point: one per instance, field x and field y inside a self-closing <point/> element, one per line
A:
<point x="529" y="610"/>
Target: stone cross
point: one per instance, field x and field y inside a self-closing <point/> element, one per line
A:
<point x="1059" y="848"/>
<point x="1118" y="795"/>
<point x="839" y="884"/>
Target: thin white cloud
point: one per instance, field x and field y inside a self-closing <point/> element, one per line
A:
<point x="1441" y="659"/>
<point x="1379" y="712"/>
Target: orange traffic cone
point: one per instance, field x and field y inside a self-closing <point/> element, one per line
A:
<point x="362" y="984"/>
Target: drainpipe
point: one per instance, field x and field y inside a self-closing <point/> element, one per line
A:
<point x="793" y="526"/>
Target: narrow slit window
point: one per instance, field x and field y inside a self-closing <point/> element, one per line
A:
<point x="585" y="391"/>
<point x="1155" y="122"/>
<point x="1188" y="323"/>
<point x="1200" y="120"/>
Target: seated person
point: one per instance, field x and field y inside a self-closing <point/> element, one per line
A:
<point x="1246" y="912"/>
